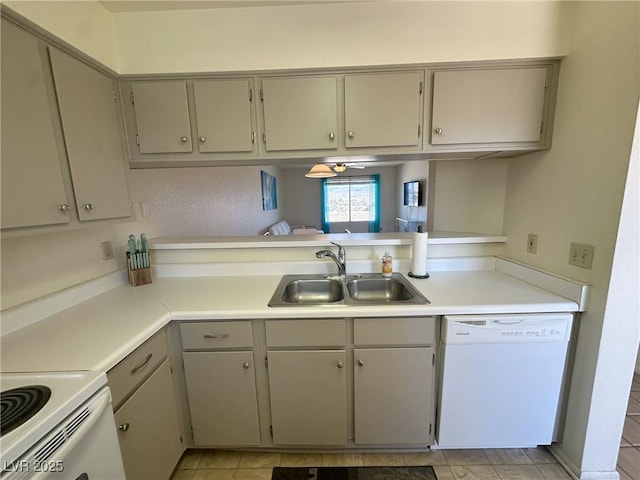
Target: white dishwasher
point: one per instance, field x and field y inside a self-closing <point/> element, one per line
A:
<point x="500" y="380"/>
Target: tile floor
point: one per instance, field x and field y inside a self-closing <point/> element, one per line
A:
<point x="629" y="456"/>
<point x="494" y="464"/>
<point x="486" y="464"/>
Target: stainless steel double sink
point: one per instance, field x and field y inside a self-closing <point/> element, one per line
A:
<point x="361" y="289"/>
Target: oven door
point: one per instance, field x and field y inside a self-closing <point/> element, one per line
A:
<point x="83" y="447"/>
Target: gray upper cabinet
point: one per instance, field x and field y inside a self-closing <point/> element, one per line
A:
<point x="89" y="114"/>
<point x="497" y="105"/>
<point x="383" y="109"/>
<point x="33" y="188"/>
<point x="223" y="114"/>
<point x="300" y="113"/>
<point x="162" y="116"/>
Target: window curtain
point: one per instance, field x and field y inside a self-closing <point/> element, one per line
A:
<point x="374" y="194"/>
<point x="323" y="206"/>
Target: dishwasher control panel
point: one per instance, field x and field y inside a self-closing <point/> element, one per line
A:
<point x="506" y="328"/>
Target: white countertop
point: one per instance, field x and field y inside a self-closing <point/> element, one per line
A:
<point x="97" y="333"/>
<point x="93" y="335"/>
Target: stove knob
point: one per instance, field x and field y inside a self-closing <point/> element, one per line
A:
<point x="124" y="427"/>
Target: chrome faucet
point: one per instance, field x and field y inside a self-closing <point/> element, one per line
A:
<point x="341" y="259"/>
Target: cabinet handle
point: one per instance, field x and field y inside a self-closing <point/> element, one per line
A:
<point x="437" y="131"/>
<point x="217" y="336"/>
<point x="183" y="139"/>
<point x="124" y="427"/>
<point x="202" y="139"/>
<point x="64" y="208"/>
<point x="350" y="134"/>
<point x="332" y="136"/>
<point x="246" y="365"/>
<point x="361" y="363"/>
<point x="88" y="207"/>
<point x="135" y="370"/>
<point x="340" y="364"/>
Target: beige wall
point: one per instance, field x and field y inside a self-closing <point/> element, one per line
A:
<point x="202" y="201"/>
<point x="469" y="195"/>
<point x="573" y="193"/>
<point x="86" y="25"/>
<point x="338" y="34"/>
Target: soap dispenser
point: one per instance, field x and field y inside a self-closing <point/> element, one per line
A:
<point x="387" y="265"/>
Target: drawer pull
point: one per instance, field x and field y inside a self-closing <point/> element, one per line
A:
<point x="246" y="365"/>
<point x="218" y="336"/>
<point x="340" y="364"/>
<point x="361" y="363"/>
<point x="135" y="370"/>
<point x="124" y="427"/>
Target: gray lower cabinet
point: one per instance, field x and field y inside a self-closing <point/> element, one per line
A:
<point x="383" y="109"/>
<point x="394" y="399"/>
<point x="33" y="187"/>
<point x="146" y="411"/>
<point x="308" y="394"/>
<point x="393" y="396"/>
<point x="148" y="428"/>
<point x="490" y="105"/>
<point x="93" y="139"/>
<point x="222" y="398"/>
<point x="220" y="383"/>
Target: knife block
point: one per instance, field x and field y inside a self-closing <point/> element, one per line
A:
<point x="139" y="276"/>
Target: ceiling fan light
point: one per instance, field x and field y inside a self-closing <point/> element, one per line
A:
<point x="320" y="170"/>
<point x="340" y="167"/>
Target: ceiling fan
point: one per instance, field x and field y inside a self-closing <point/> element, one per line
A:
<point x="341" y="167"/>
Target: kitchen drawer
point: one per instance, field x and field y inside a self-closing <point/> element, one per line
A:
<point x="212" y="335"/>
<point x="394" y="331"/>
<point x="305" y="333"/>
<point x="130" y="372"/>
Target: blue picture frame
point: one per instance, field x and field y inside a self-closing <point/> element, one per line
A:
<point x="269" y="191"/>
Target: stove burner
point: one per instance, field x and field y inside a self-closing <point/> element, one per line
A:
<point x="20" y="404"/>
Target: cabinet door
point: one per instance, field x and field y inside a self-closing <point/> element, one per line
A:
<point x="488" y="106"/>
<point x="383" y="110"/>
<point x="308" y="397"/>
<point x="162" y="116"/>
<point x="393" y="395"/>
<point x="33" y="191"/>
<point x="222" y="398"/>
<point x="88" y="109"/>
<point x="300" y="113"/>
<point x="223" y="113"/>
<point x="148" y="428"/>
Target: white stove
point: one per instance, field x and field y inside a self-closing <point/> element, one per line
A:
<point x="70" y="436"/>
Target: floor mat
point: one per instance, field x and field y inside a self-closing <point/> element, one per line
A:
<point x="353" y="473"/>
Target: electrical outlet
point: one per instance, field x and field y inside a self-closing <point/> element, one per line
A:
<point x="532" y="243"/>
<point x="107" y="250"/>
<point x="581" y="255"/>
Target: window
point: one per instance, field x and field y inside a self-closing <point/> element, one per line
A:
<point x="351" y="200"/>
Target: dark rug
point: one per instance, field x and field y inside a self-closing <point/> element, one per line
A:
<point x="353" y="473"/>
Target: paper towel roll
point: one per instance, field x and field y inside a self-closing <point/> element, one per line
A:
<point x="419" y="254"/>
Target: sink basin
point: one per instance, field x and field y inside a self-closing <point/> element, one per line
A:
<point x="308" y="290"/>
<point x="313" y="291"/>
<point x="378" y="290"/>
<point x="364" y="289"/>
